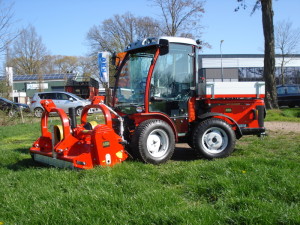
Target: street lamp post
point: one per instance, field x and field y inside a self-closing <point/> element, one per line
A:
<point x="222" y="74"/>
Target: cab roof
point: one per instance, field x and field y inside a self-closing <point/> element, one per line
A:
<point x="152" y="41"/>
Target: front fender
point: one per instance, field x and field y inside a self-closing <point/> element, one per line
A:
<point x="141" y="117"/>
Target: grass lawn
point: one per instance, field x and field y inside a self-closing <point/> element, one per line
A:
<point x="258" y="184"/>
<point x="284" y="114"/>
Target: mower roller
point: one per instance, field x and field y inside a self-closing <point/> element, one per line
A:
<point x="81" y="146"/>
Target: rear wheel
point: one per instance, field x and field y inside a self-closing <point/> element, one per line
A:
<point x="153" y="141"/>
<point x="38" y="112"/>
<point x="213" y="138"/>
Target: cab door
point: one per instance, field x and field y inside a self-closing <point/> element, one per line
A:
<point x="172" y="84"/>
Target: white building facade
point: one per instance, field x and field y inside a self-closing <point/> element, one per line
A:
<point x="247" y="67"/>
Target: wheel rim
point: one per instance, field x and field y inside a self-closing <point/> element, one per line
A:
<point x="38" y="112"/>
<point x="78" y="111"/>
<point x="11" y="113"/>
<point x="157" y="143"/>
<point x="214" y="140"/>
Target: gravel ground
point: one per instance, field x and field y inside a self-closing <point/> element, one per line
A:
<point x="283" y="126"/>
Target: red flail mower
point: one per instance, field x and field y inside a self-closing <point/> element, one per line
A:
<point x="80" y="146"/>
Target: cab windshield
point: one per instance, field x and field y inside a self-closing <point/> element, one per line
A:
<point x="130" y="89"/>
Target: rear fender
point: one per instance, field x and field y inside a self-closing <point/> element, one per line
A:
<point x="238" y="130"/>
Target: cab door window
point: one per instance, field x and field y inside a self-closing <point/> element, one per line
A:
<point x="172" y="80"/>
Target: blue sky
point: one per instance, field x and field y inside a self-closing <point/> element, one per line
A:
<point x="63" y="24"/>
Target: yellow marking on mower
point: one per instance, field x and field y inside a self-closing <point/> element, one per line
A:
<point x="119" y="154"/>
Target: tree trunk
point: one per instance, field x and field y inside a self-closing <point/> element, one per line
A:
<point x="269" y="58"/>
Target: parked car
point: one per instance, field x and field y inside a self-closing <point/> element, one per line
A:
<point x="12" y="108"/>
<point x="288" y="95"/>
<point x="63" y="100"/>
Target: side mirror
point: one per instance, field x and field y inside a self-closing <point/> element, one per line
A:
<point x="164" y="46"/>
<point x="71" y="99"/>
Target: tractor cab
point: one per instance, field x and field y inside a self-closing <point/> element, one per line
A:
<point x="157" y="75"/>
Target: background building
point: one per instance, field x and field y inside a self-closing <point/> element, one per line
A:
<point x="24" y="86"/>
<point x="246" y="67"/>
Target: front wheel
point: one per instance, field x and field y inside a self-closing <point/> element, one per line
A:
<point x="153" y="141"/>
<point x="213" y="138"/>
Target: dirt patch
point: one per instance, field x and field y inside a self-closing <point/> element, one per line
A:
<point x="279" y="126"/>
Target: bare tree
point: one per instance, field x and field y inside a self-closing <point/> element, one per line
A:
<point x="7" y="34"/>
<point x="286" y="43"/>
<point x="5" y="89"/>
<point x="66" y="64"/>
<point x="60" y="64"/>
<point x="87" y="66"/>
<point x="180" y="17"/>
<point x="146" y="27"/>
<point x="49" y="66"/>
<point x="116" y="33"/>
<point x="266" y="7"/>
<point x="70" y="64"/>
<point x="28" y="54"/>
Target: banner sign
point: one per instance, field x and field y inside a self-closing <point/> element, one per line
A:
<point x="37" y="86"/>
<point x="103" y="63"/>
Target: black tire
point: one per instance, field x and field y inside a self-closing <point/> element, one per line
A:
<point x="78" y="110"/>
<point x="291" y="105"/>
<point x="213" y="138"/>
<point x="190" y="143"/>
<point x="38" y="112"/>
<point x="153" y="142"/>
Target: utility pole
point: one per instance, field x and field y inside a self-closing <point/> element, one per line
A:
<point x="9" y="74"/>
<point x="222" y="74"/>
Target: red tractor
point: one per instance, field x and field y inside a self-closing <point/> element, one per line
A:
<point x="159" y="99"/>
